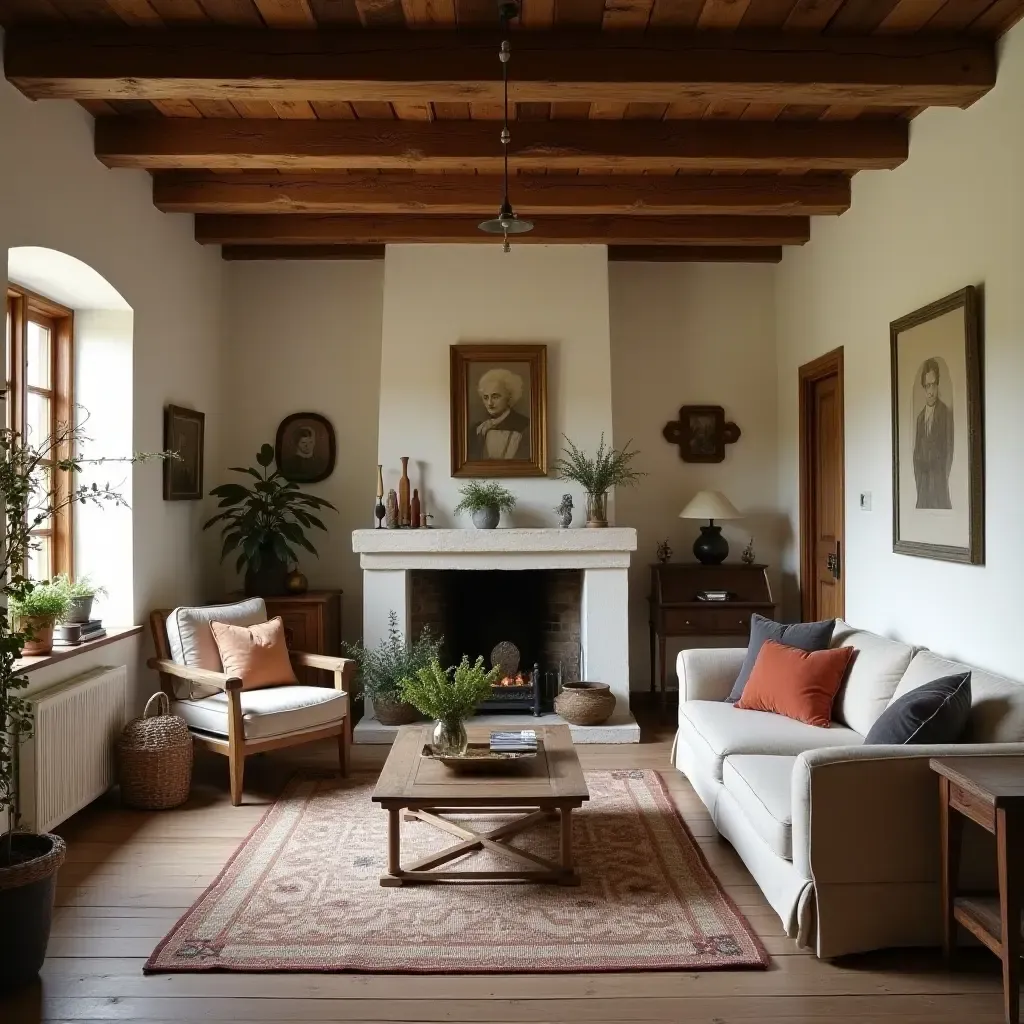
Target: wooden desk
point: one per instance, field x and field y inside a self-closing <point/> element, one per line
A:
<point x="989" y="791"/>
<point x="676" y="612"/>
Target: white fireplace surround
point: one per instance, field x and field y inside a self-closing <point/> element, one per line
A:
<point x="387" y="557"/>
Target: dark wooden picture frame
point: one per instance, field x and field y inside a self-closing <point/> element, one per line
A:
<point x="936" y="489"/>
<point x="184" y="432"/>
<point x="469" y="364"/>
<point x="701" y="432"/>
<point x="320" y="430"/>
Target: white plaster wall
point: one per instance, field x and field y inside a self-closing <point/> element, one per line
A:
<point x="440" y="295"/>
<point x="305" y="337"/>
<point x="953" y="215"/>
<point x="688" y="334"/>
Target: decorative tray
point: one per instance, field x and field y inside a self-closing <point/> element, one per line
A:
<point x="478" y="757"/>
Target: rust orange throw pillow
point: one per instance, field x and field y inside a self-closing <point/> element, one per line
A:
<point x="797" y="684"/>
<point x="256" y="654"/>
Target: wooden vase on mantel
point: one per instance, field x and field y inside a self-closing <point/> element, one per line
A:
<point x="414" y="509"/>
<point x="403" y="493"/>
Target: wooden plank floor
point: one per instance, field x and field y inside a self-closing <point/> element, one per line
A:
<point x="129" y="876"/>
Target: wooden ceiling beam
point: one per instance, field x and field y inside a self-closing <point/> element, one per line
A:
<point x="472" y="146"/>
<point x="408" y="192"/>
<point x="694" y="254"/>
<point x="72" y="62"/>
<point x="303" y="252"/>
<point x="305" y="229"/>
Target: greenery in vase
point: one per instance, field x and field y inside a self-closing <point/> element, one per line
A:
<point x="449" y="695"/>
<point x="80" y="586"/>
<point x="43" y="601"/>
<point x="271" y="514"/>
<point x="477" y="496"/>
<point x="382" y="668"/>
<point x="610" y="467"/>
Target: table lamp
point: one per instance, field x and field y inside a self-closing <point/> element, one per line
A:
<point x="710" y="548"/>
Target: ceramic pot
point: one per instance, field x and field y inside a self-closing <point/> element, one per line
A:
<point x="597" y="509"/>
<point x="585" y="703"/>
<point x="711" y="548"/>
<point x="270" y="580"/>
<point x="394" y="712"/>
<point x="42" y="635"/>
<point x="80" y="609"/>
<point x="486" y="518"/>
<point x="296" y="582"/>
<point x="449" y="739"/>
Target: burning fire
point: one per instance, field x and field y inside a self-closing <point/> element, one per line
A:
<point x="517" y="680"/>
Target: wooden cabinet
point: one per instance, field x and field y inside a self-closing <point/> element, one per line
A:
<point x="676" y="611"/>
<point x="312" y="623"/>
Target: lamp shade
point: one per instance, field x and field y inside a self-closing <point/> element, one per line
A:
<point x="710" y="505"/>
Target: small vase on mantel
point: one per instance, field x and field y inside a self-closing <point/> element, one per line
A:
<point x="403" y="493"/>
<point x="414" y="509"/>
<point x="597" y="509"/>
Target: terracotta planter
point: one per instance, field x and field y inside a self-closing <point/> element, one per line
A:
<point x="42" y="633"/>
<point x="585" y="703"/>
<point x="394" y="712"/>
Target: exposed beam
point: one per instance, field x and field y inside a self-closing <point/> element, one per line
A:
<point x="694" y="254"/>
<point x="304" y="229"/>
<point x="69" y="62"/>
<point x="303" y="252"/>
<point x="408" y="192"/>
<point x="184" y="143"/>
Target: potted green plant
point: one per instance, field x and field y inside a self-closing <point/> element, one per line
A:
<point x="36" y="610"/>
<point x="450" y="696"/>
<point x="31" y="498"/>
<point x="382" y="669"/>
<point x="485" y="502"/>
<point x="266" y="520"/>
<point x="597" y="474"/>
<point x="80" y="593"/>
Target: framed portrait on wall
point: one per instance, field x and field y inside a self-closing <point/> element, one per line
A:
<point x="183" y="433"/>
<point x="937" y="441"/>
<point x="499" y="398"/>
<point x="305" y="447"/>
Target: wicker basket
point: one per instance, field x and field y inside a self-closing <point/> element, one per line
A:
<point x="394" y="712"/>
<point x="155" y="758"/>
<point x="585" y="703"/>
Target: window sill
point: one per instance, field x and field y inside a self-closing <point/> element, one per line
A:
<point x="25" y="665"/>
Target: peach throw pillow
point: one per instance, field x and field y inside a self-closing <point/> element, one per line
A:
<point x="256" y="654"/>
<point x="797" y="684"/>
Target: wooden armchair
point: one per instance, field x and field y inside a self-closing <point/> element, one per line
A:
<point x="225" y="726"/>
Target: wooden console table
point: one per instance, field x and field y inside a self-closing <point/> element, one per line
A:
<point x="676" y="612"/>
<point x="989" y="791"/>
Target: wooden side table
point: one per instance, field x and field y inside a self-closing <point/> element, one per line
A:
<point x="989" y="791"/>
<point x="312" y="623"/>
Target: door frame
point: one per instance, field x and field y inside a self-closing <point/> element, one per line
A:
<point x="809" y="374"/>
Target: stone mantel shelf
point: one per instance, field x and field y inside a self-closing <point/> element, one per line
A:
<point x="503" y="541"/>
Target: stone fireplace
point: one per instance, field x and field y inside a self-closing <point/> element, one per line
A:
<point x="560" y="596"/>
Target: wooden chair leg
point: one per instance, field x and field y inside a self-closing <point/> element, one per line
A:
<point x="236" y="768"/>
<point x="343" y="750"/>
<point x="236" y="746"/>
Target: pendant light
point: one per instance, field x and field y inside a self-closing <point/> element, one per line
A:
<point x="507" y="222"/>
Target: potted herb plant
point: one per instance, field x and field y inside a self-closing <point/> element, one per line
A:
<point x="485" y="502"/>
<point x="266" y="520"/>
<point x="382" y="669"/>
<point x="28" y="862"/>
<point x="36" y="610"/>
<point x="80" y="593"/>
<point x="450" y="696"/>
<point x="597" y="474"/>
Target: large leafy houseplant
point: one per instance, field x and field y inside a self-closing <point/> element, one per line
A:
<point x="265" y="522"/>
<point x="598" y="473"/>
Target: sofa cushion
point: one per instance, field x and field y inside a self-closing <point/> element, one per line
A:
<point x="997" y="703"/>
<point x="936" y="712"/>
<point x="715" y="729"/>
<point x="760" y="784"/>
<point x="872" y="677"/>
<point x="190" y="638"/>
<point x="275" y="711"/>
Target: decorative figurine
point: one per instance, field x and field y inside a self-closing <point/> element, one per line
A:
<point x="403" y="493"/>
<point x="664" y="552"/>
<point x="392" y="510"/>
<point x="379" y="510"/>
<point x="747" y="558"/>
<point x="414" y="509"/>
<point x="564" y="512"/>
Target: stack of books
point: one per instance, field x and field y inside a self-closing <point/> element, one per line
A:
<point x="71" y="634"/>
<point x="522" y="741"/>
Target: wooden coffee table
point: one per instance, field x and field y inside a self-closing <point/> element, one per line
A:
<point x="547" y="786"/>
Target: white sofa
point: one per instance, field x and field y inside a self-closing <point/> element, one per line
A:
<point x="841" y="837"/>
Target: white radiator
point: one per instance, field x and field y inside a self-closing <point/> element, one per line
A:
<point x="70" y="761"/>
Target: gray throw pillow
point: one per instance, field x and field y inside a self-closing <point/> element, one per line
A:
<point x="807" y="636"/>
<point x="936" y="712"/>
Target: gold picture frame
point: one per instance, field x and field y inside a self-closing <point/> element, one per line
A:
<point x="499" y="410"/>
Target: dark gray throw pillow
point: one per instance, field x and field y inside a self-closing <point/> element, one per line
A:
<point x="936" y="712"/>
<point x="807" y="636"/>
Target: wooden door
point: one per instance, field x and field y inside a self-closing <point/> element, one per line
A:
<point x="822" y="488"/>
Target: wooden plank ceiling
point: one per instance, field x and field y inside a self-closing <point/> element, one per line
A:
<point x="668" y="129"/>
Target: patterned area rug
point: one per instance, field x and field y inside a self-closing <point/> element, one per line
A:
<point x="302" y="893"/>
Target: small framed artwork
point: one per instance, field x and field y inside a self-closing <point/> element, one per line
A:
<point x="305" y="448"/>
<point x="701" y="432"/>
<point x="499" y="414"/>
<point x="183" y="433"/>
<point x="937" y="444"/>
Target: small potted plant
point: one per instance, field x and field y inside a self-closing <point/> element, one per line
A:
<point x="485" y="502"/>
<point x="382" y="669"/>
<point x="80" y="593"/>
<point x="450" y="696"/>
<point x="610" y="467"/>
<point x="36" y="612"/>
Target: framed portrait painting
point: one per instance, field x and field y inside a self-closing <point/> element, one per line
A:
<point x="305" y="448"/>
<point x="701" y="432"/>
<point x="183" y="434"/>
<point x="937" y="442"/>
<point x="499" y="396"/>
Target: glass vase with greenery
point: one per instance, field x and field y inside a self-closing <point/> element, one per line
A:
<point x="485" y="501"/>
<point x="265" y="522"/>
<point x="450" y="696"/>
<point x="383" y="667"/>
<point x="597" y="474"/>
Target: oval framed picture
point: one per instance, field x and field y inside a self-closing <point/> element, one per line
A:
<point x="305" y="448"/>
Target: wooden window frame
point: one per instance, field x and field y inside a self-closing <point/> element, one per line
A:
<point x="26" y="307"/>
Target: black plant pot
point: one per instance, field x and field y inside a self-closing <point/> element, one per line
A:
<point x="711" y="548"/>
<point x="26" y="905"/>
<point x="270" y="580"/>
